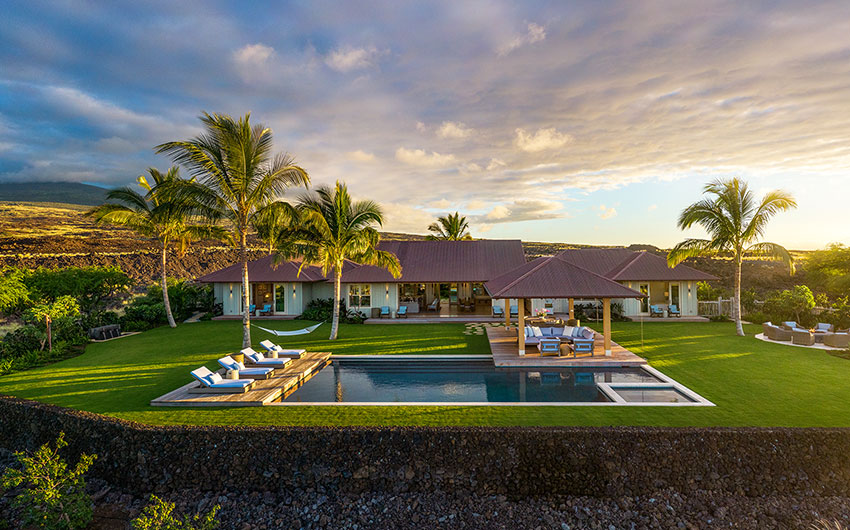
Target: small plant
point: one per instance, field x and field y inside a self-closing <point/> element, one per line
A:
<point x="158" y="515"/>
<point x="54" y="497"/>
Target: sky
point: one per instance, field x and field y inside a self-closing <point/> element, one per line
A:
<point x="581" y="122"/>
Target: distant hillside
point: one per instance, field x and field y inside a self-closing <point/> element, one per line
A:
<point x="54" y="192"/>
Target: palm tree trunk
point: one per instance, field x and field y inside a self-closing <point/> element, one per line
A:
<point x="736" y="302"/>
<point x="165" y="300"/>
<point x="337" y="289"/>
<point x="246" y="298"/>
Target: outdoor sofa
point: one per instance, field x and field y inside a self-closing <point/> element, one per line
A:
<point x="776" y="333"/>
<point x="213" y="383"/>
<point x="229" y="363"/>
<point x="270" y="346"/>
<point x="581" y="338"/>
<point x="257" y="358"/>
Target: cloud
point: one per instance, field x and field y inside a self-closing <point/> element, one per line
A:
<point x="254" y="55"/>
<point x="441" y="204"/>
<point x="541" y="140"/>
<point x="451" y="129"/>
<point x="651" y="207"/>
<point x="534" y="33"/>
<point x="498" y="213"/>
<point x="521" y="210"/>
<point x="347" y="59"/>
<point x="361" y="156"/>
<point x="607" y="213"/>
<point x="400" y="217"/>
<point x="419" y="157"/>
<point x="495" y="163"/>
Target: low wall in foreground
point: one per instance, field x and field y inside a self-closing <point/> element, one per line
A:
<point x="511" y="461"/>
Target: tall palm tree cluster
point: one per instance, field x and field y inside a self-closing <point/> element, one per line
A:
<point x="237" y="187"/>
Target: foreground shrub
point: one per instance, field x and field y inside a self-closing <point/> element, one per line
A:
<point x="142" y="314"/>
<point x="158" y="515"/>
<point x="21" y="341"/>
<point x="53" y="497"/>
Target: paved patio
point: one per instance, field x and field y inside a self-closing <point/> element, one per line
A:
<point x="503" y="344"/>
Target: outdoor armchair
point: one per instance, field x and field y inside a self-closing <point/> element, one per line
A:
<point x="385" y="311"/>
<point x="266" y="310"/>
<point x="802" y="337"/>
<point x="656" y="311"/>
<point x="270" y="346"/>
<point x="498" y="311"/>
<point x="779" y="334"/>
<point x="514" y="311"/>
<point x="823" y="327"/>
<point x="673" y="310"/>
<point x="213" y="383"/>
<point x="252" y="308"/>
<point x="434" y="305"/>
<point x="229" y="363"/>
<point x="837" y="340"/>
<point x="402" y="312"/>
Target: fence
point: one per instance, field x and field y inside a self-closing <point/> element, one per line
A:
<point x="714" y="307"/>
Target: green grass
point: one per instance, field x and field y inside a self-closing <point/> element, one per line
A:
<point x="753" y="383"/>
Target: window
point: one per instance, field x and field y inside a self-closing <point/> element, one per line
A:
<point x="280" y="298"/>
<point x="644" y="302"/>
<point x="360" y="295"/>
<point x="674" y="294"/>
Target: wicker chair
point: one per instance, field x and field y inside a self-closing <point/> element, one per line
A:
<point x="837" y="340"/>
<point x="802" y="338"/>
<point x="779" y="334"/>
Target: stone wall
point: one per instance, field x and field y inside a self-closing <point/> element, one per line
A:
<point x="512" y="461"/>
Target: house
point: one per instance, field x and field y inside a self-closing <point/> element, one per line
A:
<point x="448" y="277"/>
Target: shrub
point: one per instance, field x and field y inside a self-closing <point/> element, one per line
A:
<point x="757" y="317"/>
<point x="184" y="297"/>
<point x="720" y="318"/>
<point x="53" y="497"/>
<point x="322" y="310"/>
<point x="796" y="304"/>
<point x="22" y="340"/>
<point x="158" y="515"/>
<point x="143" y="314"/>
<point x="707" y="292"/>
<point x="98" y="319"/>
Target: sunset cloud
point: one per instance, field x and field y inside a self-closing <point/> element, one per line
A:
<point x="419" y="157"/>
<point x="541" y="140"/>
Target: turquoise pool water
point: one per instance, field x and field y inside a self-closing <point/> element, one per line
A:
<point x="444" y="381"/>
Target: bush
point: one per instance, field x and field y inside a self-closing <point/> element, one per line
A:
<point x="757" y="317"/>
<point x="791" y="304"/>
<point x="184" y="297"/>
<point x="53" y="497"/>
<point x="98" y="319"/>
<point x="720" y="318"/>
<point x="158" y="515"/>
<point x="143" y="314"/>
<point x="707" y="292"/>
<point x="321" y="310"/>
<point x="92" y="287"/>
<point x="21" y="341"/>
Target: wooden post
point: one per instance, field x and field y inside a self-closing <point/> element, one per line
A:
<point x="606" y="325"/>
<point x="48" y="323"/>
<point x="507" y="313"/>
<point x="572" y="308"/>
<point x="520" y="328"/>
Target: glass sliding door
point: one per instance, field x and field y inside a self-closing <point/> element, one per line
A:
<point x="644" y="302"/>
<point x="674" y="295"/>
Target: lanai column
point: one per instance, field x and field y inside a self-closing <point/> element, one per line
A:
<point x="606" y="325"/>
<point x="507" y="312"/>
<point x="572" y="301"/>
<point x="520" y="328"/>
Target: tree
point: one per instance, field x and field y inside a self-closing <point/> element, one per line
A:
<point x="157" y="215"/>
<point x="334" y="228"/>
<point x="91" y="286"/>
<point x="239" y="181"/>
<point x="14" y="293"/>
<point x="735" y="221"/>
<point x="451" y="227"/>
<point x="829" y="270"/>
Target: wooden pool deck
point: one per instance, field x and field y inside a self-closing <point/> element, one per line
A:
<point x="264" y="392"/>
<point x="503" y="344"/>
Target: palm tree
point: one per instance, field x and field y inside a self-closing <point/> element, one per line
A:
<point x="451" y="227"/>
<point x="239" y="181"/>
<point x="735" y="221"/>
<point x="335" y="229"/>
<point x="155" y="215"/>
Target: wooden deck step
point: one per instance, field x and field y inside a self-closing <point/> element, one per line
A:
<point x="264" y="392"/>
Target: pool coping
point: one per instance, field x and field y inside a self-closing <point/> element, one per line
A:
<point x="609" y="389"/>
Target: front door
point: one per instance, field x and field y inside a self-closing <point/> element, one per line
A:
<point x="644" y="302"/>
<point x="674" y="295"/>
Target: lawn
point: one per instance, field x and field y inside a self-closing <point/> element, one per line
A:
<point x="753" y="383"/>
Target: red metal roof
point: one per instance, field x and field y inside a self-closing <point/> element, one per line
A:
<point x="421" y="261"/>
<point x="627" y="265"/>
<point x="554" y="277"/>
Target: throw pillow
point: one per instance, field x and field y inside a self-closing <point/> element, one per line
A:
<point x="215" y="378"/>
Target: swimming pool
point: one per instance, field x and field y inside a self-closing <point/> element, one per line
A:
<point x="479" y="382"/>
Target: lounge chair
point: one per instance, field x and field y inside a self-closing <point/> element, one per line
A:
<point x="673" y="310"/>
<point x="402" y="312"/>
<point x="385" y="311"/>
<point x="802" y="337"/>
<point x="434" y="305"/>
<point x="498" y="311"/>
<point x="656" y="311"/>
<point x="228" y="363"/>
<point x="213" y="383"/>
<point x="514" y="311"/>
<point x="837" y="340"/>
<point x="270" y="346"/>
<point x="266" y="310"/>
<point x="257" y="358"/>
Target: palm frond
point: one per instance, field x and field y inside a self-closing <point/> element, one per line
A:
<point x="690" y="248"/>
<point x="772" y="251"/>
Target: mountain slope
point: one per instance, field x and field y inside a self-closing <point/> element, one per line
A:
<point x="56" y="192"/>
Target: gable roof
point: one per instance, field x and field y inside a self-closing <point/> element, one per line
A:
<point x="621" y="264"/>
<point x="421" y="261"/>
<point x="554" y="277"/>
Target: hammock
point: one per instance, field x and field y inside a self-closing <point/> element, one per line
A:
<point x="304" y="331"/>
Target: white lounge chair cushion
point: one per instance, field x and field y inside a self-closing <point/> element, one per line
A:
<point x="233" y="383"/>
<point x="254" y="371"/>
<point x="215" y="378"/>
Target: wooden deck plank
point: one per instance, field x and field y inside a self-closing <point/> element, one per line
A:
<point x="265" y="390"/>
<point x="503" y="345"/>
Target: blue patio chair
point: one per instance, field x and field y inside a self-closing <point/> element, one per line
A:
<point x="385" y="311"/>
<point x="656" y="311"/>
<point x="583" y="346"/>
<point x="266" y="310"/>
<point x="514" y="311"/>
<point x="402" y="312"/>
<point x="252" y="308"/>
<point x="498" y="311"/>
<point x="673" y="311"/>
<point x="213" y="383"/>
<point x="435" y="305"/>
<point x="228" y="363"/>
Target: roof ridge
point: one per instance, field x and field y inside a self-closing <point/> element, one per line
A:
<point x="625" y="264"/>
<point x="591" y="272"/>
<point x="543" y="261"/>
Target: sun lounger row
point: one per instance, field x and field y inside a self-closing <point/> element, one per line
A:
<point x="256" y="366"/>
